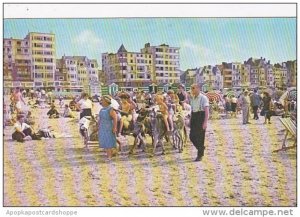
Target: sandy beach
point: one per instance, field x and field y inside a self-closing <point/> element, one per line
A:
<point x="239" y="169"/>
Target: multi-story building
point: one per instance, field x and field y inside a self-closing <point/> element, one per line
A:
<point x="236" y="74"/>
<point x="128" y="69"/>
<point x="291" y="73"/>
<point x="262" y="79"/>
<point x="245" y="75"/>
<point x="43" y="56"/>
<point x="269" y="75"/>
<point x="281" y="78"/>
<point x="17" y="63"/>
<point x="226" y="72"/>
<point x="218" y="78"/>
<point x="166" y="63"/>
<point x="277" y="76"/>
<point x="190" y="76"/>
<point x="30" y="62"/>
<point x="78" y="73"/>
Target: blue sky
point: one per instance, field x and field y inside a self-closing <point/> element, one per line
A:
<point x="202" y="41"/>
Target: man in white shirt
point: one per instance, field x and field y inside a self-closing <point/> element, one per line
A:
<point x="22" y="130"/>
<point x="245" y="104"/>
<point x="199" y="117"/>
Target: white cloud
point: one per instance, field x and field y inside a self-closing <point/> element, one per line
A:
<point x="196" y="54"/>
<point x="88" y="38"/>
<point x="196" y="48"/>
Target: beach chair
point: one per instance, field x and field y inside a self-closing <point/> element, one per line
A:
<point x="290" y="129"/>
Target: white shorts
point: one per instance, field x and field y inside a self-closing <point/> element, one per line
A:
<point x="19" y="105"/>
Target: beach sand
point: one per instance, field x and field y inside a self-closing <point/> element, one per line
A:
<point x="239" y="169"/>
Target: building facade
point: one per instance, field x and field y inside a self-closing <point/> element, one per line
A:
<point x="29" y="62"/>
<point x="166" y="63"/>
<point x="158" y="64"/>
<point x="76" y="73"/>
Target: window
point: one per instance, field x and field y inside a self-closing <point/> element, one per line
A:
<point x="49" y="67"/>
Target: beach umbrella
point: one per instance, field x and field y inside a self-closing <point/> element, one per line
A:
<point x="230" y="94"/>
<point x="212" y="96"/>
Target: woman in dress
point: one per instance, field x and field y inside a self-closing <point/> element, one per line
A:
<point x="107" y="126"/>
<point x="267" y="107"/>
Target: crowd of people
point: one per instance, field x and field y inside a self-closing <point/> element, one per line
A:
<point x="120" y="110"/>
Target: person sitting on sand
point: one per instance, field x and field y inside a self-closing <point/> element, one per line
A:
<point x="23" y="131"/>
<point x="53" y="113"/>
<point x="68" y="112"/>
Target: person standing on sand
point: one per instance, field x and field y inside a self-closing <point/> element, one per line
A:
<point x="199" y="117"/>
<point x="267" y="102"/>
<point x="85" y="105"/>
<point x="17" y="99"/>
<point x="107" y="128"/>
<point x="245" y="103"/>
<point x="255" y="102"/>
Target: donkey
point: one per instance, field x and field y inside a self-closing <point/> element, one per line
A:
<point x="140" y="129"/>
<point x="159" y="130"/>
<point x="179" y="133"/>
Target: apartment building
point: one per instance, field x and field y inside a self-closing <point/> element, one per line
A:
<point x="43" y="56"/>
<point x="17" y="63"/>
<point x="77" y="73"/>
<point x="128" y="69"/>
<point x="30" y="62"/>
<point x="291" y="73"/>
<point x="236" y="74"/>
<point x="166" y="63"/>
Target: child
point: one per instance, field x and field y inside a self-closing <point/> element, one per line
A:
<point x="68" y="112"/>
<point x="126" y="114"/>
<point x="61" y="102"/>
<point x="163" y="108"/>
